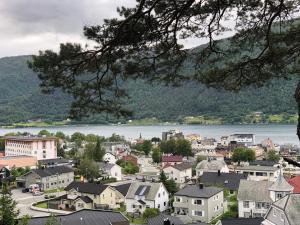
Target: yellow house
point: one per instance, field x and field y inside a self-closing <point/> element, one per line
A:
<point x="94" y="196"/>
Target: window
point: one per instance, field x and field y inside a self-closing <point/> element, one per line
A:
<point x="282" y="216"/>
<point x="80" y="205"/>
<point x="178" y="199"/>
<point x="279" y="195"/>
<point x="258" y="205"/>
<point x="158" y="206"/>
<point x="159" y="195"/>
<point x="164" y="203"/>
<point x="133" y="206"/>
<point x="198" y="213"/>
<point x="197" y="202"/>
<point x="163" y="193"/>
<point x="246" y="204"/>
<point x="257" y="215"/>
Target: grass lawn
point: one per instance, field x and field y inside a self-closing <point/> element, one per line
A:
<point x="138" y="220"/>
<point x="53" y="190"/>
<point x="42" y="205"/>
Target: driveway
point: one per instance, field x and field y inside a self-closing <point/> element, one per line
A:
<point x="24" y="201"/>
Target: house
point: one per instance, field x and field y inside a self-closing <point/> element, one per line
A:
<point x="240" y="221"/>
<point x="93" y="196"/>
<point x="211" y="165"/>
<point x="180" y="173"/>
<point x="172" y="134"/>
<point x="85" y="217"/>
<point x="38" y="146"/>
<point x="231" y="181"/>
<point x="171" y="160"/>
<point x="255" y="197"/>
<point x="111" y="170"/>
<point x="245" y="139"/>
<point x="284" y="211"/>
<point x="21" y="161"/>
<point x="258" y="173"/>
<point x="142" y="195"/>
<point x="130" y="158"/>
<point x="55" y="162"/>
<point x="199" y="202"/>
<point x="110" y="158"/>
<point x="47" y="178"/>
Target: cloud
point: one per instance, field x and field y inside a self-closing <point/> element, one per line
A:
<point x="29" y="25"/>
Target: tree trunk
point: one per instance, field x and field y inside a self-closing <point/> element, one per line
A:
<point x="297" y="97"/>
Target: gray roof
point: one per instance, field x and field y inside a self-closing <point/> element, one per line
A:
<point x="150" y="194"/>
<point x="86" y="199"/>
<point x="29" y="138"/>
<point x="86" y="216"/>
<point x="53" y="161"/>
<point x="242" y="221"/>
<point x="182" y="166"/>
<point x="215" y="164"/>
<point x="196" y="191"/>
<point x="159" y="220"/>
<point x="45" y="172"/>
<point x="258" y="168"/>
<point x="228" y="180"/>
<point x="90" y="188"/>
<point x="263" y="163"/>
<point x="290" y="204"/>
<point x="106" y="166"/>
<point x="281" y="184"/>
<point x="257" y="191"/>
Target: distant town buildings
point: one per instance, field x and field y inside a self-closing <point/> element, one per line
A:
<point x="245" y="139"/>
<point x="39" y="147"/>
<point x="172" y="134"/>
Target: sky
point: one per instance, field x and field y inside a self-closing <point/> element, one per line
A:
<point x="27" y="26"/>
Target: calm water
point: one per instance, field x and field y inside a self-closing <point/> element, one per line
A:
<point x="280" y="134"/>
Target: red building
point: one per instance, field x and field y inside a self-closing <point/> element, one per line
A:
<point x="171" y="160"/>
<point x="130" y="158"/>
<point x="295" y="182"/>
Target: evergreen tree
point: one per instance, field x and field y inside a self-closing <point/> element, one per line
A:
<point x="99" y="152"/>
<point x="162" y="177"/>
<point x="156" y="155"/>
<point x="8" y="211"/>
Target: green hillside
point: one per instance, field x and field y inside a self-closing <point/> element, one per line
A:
<point x="21" y="100"/>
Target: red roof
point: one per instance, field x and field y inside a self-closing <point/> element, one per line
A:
<point x="295" y="182"/>
<point x="172" y="158"/>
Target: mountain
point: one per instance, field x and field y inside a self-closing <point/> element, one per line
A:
<point x="21" y="100"/>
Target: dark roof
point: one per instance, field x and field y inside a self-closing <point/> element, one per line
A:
<point x="242" y="221"/>
<point x="196" y="191"/>
<point x="86" y="199"/>
<point x="123" y="188"/>
<point x="228" y="180"/>
<point x="90" y="188"/>
<point x="86" y="216"/>
<point x="263" y="163"/>
<point x="45" y="172"/>
<point x="159" y="220"/>
<point x="182" y="166"/>
<point x="53" y="161"/>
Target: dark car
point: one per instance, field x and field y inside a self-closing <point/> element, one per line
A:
<point x="25" y="190"/>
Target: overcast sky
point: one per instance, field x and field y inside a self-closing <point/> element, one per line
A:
<point x="27" y="26"/>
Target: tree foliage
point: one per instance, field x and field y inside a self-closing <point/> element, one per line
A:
<point x="273" y="156"/>
<point x="88" y="168"/>
<point x="150" y="212"/>
<point x="156" y="155"/>
<point x="178" y="147"/>
<point x="243" y="155"/>
<point x="8" y="211"/>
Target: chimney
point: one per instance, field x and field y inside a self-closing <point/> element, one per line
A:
<point x="219" y="172"/>
<point x="167" y="221"/>
<point x="201" y="186"/>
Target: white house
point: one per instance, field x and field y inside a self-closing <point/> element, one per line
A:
<point x="258" y="173"/>
<point x="255" y="197"/>
<point x="142" y="195"/>
<point x="245" y="139"/>
<point x="111" y="170"/>
<point x="109" y="158"/>
<point x="180" y="173"/>
<point x="212" y="165"/>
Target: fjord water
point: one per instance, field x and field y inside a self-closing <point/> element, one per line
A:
<point x="280" y="134"/>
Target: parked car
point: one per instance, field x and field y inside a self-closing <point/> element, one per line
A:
<point x="25" y="190"/>
<point x="37" y="193"/>
<point x="34" y="188"/>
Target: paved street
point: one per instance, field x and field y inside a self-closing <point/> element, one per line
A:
<point x="24" y="201"/>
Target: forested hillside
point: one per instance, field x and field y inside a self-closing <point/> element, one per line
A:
<point x="21" y="100"/>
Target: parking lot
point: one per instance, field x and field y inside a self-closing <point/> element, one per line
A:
<point x="24" y="201"/>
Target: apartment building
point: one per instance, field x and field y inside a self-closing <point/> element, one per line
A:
<point x="40" y="147"/>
